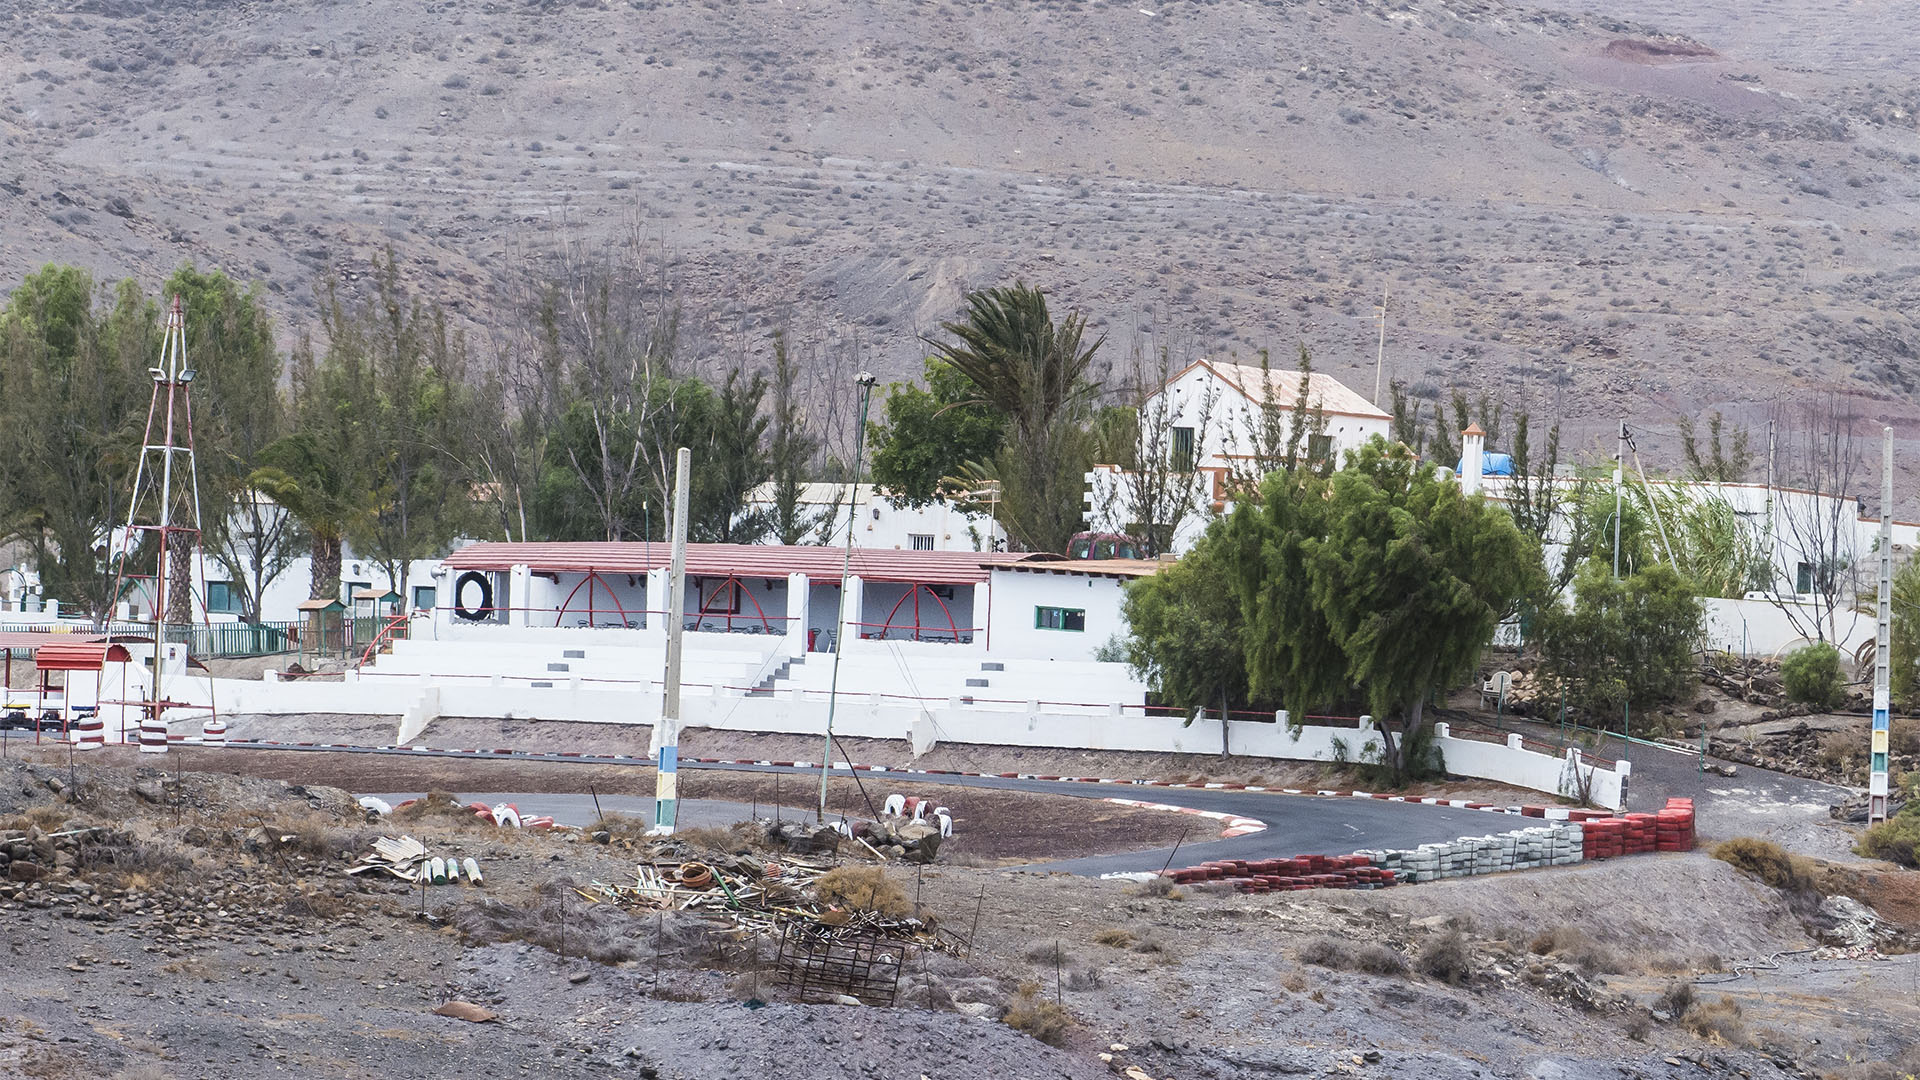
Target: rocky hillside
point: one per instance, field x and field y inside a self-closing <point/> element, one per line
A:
<point x="1657" y="209"/>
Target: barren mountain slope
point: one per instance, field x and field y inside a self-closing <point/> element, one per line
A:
<point x="1682" y="208"/>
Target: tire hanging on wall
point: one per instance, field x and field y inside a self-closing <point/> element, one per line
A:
<point x="460" y="608"/>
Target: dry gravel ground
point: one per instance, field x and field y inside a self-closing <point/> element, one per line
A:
<point x="192" y="947"/>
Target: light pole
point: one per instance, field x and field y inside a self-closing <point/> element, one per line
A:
<point x="865" y="381"/>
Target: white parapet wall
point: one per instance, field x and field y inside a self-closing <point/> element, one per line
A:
<point x="419" y="699"/>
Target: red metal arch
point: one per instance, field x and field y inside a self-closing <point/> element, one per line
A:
<point x="592" y="578"/>
<point x="915" y="594"/>
<point x="741" y="587"/>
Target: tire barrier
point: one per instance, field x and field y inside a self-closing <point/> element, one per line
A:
<point x="1288" y="875"/>
<point x="153" y="735"/>
<point x="90" y="732"/>
<point x="1571" y="837"/>
<point x="1522" y="849"/>
<point x="213" y="732"/>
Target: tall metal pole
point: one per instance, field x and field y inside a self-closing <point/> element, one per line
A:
<point x="1380" y="360"/>
<point x="1619" y="484"/>
<point x="1883" y="637"/>
<point x="666" y="734"/>
<point x="866" y="381"/>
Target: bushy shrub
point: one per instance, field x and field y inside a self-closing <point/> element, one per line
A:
<point x="1327" y="952"/>
<point x="1380" y="960"/>
<point x="863" y="888"/>
<point x="1896" y="839"/>
<point x="1044" y="1020"/>
<point x="1447" y="958"/>
<point x="1812" y="676"/>
<point x="1765" y="860"/>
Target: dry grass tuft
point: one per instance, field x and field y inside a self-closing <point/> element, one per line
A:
<point x="1719" y="1022"/>
<point x="863" y="888"/>
<point x="1377" y="959"/>
<point x="1448" y="958"/>
<point x="437" y="804"/>
<point x="1327" y="953"/>
<point x="1676" y="999"/>
<point x="1572" y="945"/>
<point x="1765" y="860"/>
<point x="1114" y="937"/>
<point x="1044" y="1020"/>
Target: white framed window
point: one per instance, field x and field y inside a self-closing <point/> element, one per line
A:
<point x="1060" y="618"/>
<point x="920" y="541"/>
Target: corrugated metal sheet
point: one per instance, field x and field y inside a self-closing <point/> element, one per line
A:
<point x="77" y="655"/>
<point x="739" y="560"/>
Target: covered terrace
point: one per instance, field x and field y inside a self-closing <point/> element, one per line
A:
<point x="789" y="592"/>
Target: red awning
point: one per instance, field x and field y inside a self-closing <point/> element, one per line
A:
<point x="738" y="560"/>
<point x="78" y="655"/>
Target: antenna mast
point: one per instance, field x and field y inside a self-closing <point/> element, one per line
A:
<point x="167" y="507"/>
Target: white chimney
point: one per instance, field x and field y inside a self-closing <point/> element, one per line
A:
<point x="1473" y="453"/>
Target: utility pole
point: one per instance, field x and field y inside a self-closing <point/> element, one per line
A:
<point x="1883" y="637"/>
<point x="666" y="734"/>
<point x="1619" y="478"/>
<point x="1380" y="360"/>
<point x="865" y="381"/>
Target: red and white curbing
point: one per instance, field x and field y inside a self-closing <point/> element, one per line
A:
<point x="1235" y="825"/>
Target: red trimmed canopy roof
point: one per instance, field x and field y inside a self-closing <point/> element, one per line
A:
<point x="78" y="655"/>
<point x="740" y="560"/>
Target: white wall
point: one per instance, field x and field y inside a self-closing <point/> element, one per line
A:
<point x="870" y="716"/>
<point x="880" y="524"/>
<point x="1016" y="593"/>
<point x="1763" y="628"/>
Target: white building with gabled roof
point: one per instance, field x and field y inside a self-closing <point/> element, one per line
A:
<point x="1219" y="413"/>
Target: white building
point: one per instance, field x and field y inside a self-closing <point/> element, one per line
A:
<point x="878" y="523"/>
<point x="1814" y="553"/>
<point x="1224" y="418"/>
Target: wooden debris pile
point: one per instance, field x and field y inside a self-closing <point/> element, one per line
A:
<point x="760" y="898"/>
<point x="407" y="859"/>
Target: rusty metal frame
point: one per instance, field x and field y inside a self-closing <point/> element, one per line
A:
<point x="820" y="961"/>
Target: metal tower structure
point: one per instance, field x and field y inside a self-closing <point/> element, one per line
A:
<point x="164" y="505"/>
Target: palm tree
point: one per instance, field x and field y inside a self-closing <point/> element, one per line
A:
<point x="1023" y="364"/>
<point x="310" y="485"/>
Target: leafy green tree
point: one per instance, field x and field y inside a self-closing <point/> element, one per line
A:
<point x="1624" y="643"/>
<point x="1812" y="675"/>
<point x="1381" y="578"/>
<point x="1186" y="635"/>
<point x="1903" y="654"/>
<point x="1280" y="428"/>
<point x="73" y="395"/>
<point x="1725" y="455"/>
<point x="929" y="434"/>
<point x="1035" y="372"/>
<point x="791" y="450"/>
<point x="393" y="376"/>
<point x="734" y="462"/>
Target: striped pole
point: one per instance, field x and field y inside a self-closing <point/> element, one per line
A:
<point x="666" y="734"/>
<point x="1883" y="637"/>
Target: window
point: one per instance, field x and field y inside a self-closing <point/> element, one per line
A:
<point x="1803" y="578"/>
<point x="1319" y="447"/>
<point x="220" y="597"/>
<point x="1182" y="449"/>
<point x="422" y="597"/>
<point x="921" y="541"/>
<point x="1060" y="618"/>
